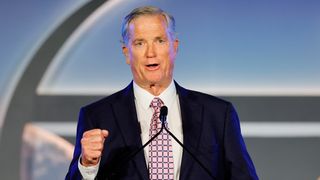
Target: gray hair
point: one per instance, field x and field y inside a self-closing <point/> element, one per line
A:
<point x="146" y="10"/>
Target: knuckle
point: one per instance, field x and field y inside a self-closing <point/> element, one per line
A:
<point x="98" y="153"/>
<point x="100" y="147"/>
<point x="83" y="142"/>
<point x="91" y="132"/>
<point x="100" y="139"/>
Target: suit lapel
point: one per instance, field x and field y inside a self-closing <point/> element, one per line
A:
<point x="191" y="115"/>
<point x="126" y="115"/>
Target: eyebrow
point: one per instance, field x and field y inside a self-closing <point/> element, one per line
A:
<point x="160" y="37"/>
<point x="139" y="39"/>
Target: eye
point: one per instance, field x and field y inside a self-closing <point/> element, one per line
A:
<point x="139" y="43"/>
<point x="161" y="41"/>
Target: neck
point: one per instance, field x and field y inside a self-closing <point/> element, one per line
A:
<point x="154" y="88"/>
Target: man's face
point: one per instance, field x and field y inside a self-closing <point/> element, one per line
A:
<point x="150" y="51"/>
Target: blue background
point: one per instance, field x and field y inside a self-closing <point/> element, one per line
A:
<point x="235" y="48"/>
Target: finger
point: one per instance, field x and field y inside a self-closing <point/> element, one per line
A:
<point x="94" y="147"/>
<point x="91" y="155"/>
<point x="89" y="160"/>
<point x="92" y="132"/>
<point x="94" y="139"/>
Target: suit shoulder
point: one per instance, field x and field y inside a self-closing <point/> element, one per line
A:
<point x="106" y="101"/>
<point x="205" y="98"/>
<point x="211" y="98"/>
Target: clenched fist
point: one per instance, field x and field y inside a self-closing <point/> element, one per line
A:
<point x="92" y="145"/>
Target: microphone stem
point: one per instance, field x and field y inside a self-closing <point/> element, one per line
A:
<point x="176" y="139"/>
<point x="142" y="147"/>
<point x="191" y="154"/>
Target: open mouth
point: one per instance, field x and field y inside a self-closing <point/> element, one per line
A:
<point x="152" y="65"/>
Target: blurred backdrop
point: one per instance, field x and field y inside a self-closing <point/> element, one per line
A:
<point x="263" y="56"/>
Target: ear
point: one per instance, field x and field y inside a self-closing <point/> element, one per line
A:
<point x="176" y="45"/>
<point x="125" y="51"/>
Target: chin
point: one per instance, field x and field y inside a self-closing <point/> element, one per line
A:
<point x="154" y="79"/>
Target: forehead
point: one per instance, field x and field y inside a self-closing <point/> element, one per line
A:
<point x="148" y="23"/>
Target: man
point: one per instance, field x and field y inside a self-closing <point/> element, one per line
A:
<point x="112" y="129"/>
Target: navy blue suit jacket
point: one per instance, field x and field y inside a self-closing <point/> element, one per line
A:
<point x="211" y="130"/>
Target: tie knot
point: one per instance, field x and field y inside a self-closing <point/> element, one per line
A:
<point x="156" y="103"/>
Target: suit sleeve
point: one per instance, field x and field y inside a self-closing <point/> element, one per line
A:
<point x="238" y="161"/>
<point x="84" y="124"/>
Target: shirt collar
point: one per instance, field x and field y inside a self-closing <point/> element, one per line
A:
<point x="144" y="98"/>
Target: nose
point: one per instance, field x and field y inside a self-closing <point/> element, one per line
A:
<point x="151" y="51"/>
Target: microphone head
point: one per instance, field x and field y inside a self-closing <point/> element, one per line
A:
<point x="163" y="113"/>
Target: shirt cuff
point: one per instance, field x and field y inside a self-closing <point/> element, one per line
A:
<point x="90" y="172"/>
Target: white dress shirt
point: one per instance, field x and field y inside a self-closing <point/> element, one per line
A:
<point x="144" y="113"/>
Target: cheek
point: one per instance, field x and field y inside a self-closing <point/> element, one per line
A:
<point x="132" y="58"/>
<point x="136" y="65"/>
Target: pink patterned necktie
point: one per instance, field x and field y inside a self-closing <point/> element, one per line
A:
<point x="160" y="149"/>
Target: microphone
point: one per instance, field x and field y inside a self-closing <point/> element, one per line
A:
<point x="163" y="114"/>
<point x="163" y="117"/>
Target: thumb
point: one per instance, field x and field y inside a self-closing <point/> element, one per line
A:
<point x="105" y="133"/>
